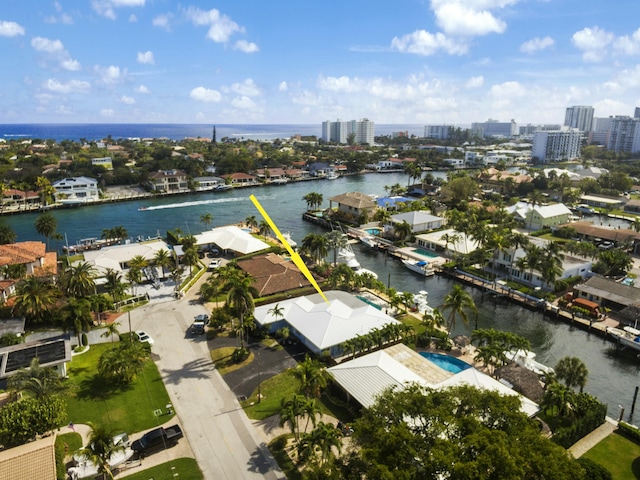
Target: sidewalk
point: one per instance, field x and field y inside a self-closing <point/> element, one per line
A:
<point x="585" y="444"/>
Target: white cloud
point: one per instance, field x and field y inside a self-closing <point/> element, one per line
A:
<point x="221" y="27"/>
<point x="146" y="57"/>
<point x="106" y="8"/>
<point x="142" y="89"/>
<point x="475" y="82"/>
<point x="592" y="42"/>
<point x="283" y="87"/>
<point x="11" y="29"/>
<point x="422" y="42"/>
<point x="110" y="75"/>
<point x="244" y="103"/>
<point x="163" y="21"/>
<point x="508" y="90"/>
<point x="127" y="100"/>
<point x="42" y="44"/>
<point x="246" y="47"/>
<point x="248" y="88"/>
<point x="107" y="112"/>
<point x="466" y="20"/>
<point x="133" y="18"/>
<point x="628" y="44"/>
<point x="536" y="44"/>
<point x="70" y="64"/>
<point x="202" y="94"/>
<point x="73" y="86"/>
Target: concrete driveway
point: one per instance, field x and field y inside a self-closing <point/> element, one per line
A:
<point x="224" y="442"/>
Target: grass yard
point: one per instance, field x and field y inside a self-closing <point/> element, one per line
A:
<point x="224" y="364"/>
<point x="128" y="409"/>
<point x="186" y="468"/>
<point x="619" y="455"/>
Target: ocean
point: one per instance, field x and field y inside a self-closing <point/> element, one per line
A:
<point x="176" y="131"/>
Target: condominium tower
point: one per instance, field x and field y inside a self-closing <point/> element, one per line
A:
<point x="580" y="117"/>
<point x="339" y="132"/>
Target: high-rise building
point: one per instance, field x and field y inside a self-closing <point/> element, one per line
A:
<point x="636" y="113"/>
<point x="624" y="134"/>
<point x="553" y="146"/>
<point x="363" y="131"/>
<point x="494" y="128"/>
<point x="580" y="117"/>
<point x="440" y="132"/>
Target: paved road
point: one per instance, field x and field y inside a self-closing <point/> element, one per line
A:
<point x="224" y="442"/>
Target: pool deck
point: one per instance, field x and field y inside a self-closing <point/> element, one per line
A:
<point x="409" y="253"/>
<point x="415" y="362"/>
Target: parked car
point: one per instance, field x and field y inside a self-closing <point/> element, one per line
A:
<point x="585" y="209"/>
<point x="199" y="324"/>
<point x="157" y="439"/>
<point x="606" y="245"/>
<point x="215" y="263"/>
<point x="144" y="337"/>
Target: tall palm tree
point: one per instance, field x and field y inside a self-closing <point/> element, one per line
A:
<point x="78" y="316"/>
<point x="312" y="377"/>
<point x="110" y="330"/>
<point x="558" y="396"/>
<point x="206" y="219"/>
<point x="573" y="372"/>
<point x="114" y="284"/>
<point x="536" y="198"/>
<point x="313" y="199"/>
<point x="458" y="302"/>
<point x="101" y="448"/>
<point x="336" y="240"/>
<point x="402" y="230"/>
<point x="35" y="298"/>
<point x="163" y="259"/>
<point x="290" y="411"/>
<point x="264" y="229"/>
<point x="316" y="245"/>
<point x="240" y="297"/>
<point x="251" y="222"/>
<point x="37" y="381"/>
<point x="46" y="225"/>
<point x="190" y="257"/>
<point x="79" y="280"/>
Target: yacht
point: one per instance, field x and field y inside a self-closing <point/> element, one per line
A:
<point x="627" y="336"/>
<point x="287" y="236"/>
<point x="419" y="266"/>
<point x="332" y="175"/>
<point x="346" y="255"/>
<point x="421" y="303"/>
<point x="369" y="241"/>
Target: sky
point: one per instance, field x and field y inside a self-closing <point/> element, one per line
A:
<point x="428" y="62"/>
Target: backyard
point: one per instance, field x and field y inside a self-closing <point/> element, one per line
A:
<point x="619" y="455"/>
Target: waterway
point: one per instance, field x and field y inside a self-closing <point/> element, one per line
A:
<point x="612" y="378"/>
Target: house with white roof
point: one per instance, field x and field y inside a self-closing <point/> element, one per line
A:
<point x="420" y="221"/>
<point x="540" y="216"/>
<point x="366" y="377"/>
<point x="447" y="241"/>
<point x="76" y="190"/>
<point x="323" y="326"/>
<point x="117" y="257"/>
<point x="231" y="238"/>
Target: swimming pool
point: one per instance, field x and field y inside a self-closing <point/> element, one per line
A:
<point x="425" y="253"/>
<point x="446" y="362"/>
<point x="373" y="231"/>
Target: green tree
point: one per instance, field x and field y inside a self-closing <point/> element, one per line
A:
<point x="458" y="303"/>
<point x="79" y="280"/>
<point x="558" y="398"/>
<point x="264" y="228"/>
<point x="316" y="245"/>
<point x="21" y="421"/>
<point x="336" y="240"/>
<point x="35" y="298"/>
<point x="251" y="222"/>
<point x="206" y="219"/>
<point x="312" y="376"/>
<point x="121" y="364"/>
<point x="77" y="316"/>
<point x="163" y="259"/>
<point x="457" y="433"/>
<point x="402" y="230"/>
<point x="37" y="381"/>
<point x="314" y="200"/>
<point x="101" y="448"/>
<point x="240" y="297"/>
<point x="110" y="330"/>
<point x="190" y="258"/>
<point x="46" y="225"/>
<point x="573" y="372"/>
<point x="7" y="235"/>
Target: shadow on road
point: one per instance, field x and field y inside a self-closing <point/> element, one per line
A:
<point x="199" y="368"/>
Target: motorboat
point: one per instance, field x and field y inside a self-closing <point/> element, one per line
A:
<point x="347" y="255"/>
<point x="419" y="266"/>
<point x="287" y="236"/>
<point x="527" y="359"/>
<point x="332" y="175"/>
<point x="369" y="241"/>
<point x="421" y="303"/>
<point x="627" y="336"/>
<point x="222" y="187"/>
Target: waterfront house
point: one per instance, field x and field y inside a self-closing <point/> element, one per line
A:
<point x="323" y="327"/>
<point x="607" y="293"/>
<point x="272" y="174"/>
<point x="590" y="232"/>
<point x="448" y="242"/>
<point x="168" y="181"/>
<point x="272" y="274"/>
<point x="241" y="179"/>
<point x="365" y="378"/>
<point x="608" y="203"/>
<point x="388" y="165"/>
<point x="14" y="200"/>
<point x="419" y="220"/>
<point x="353" y="203"/>
<point x="296" y="174"/>
<point x="540" y="216"/>
<point x="632" y="206"/>
<point x="231" y="239"/>
<point x="117" y="257"/>
<point x="205" y="184"/>
<point x="76" y="190"/>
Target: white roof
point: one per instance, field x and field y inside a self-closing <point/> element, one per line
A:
<point x="463" y="245"/>
<point x="326" y="324"/>
<point x="366" y="377"/>
<point x="545" y="211"/>
<point x="113" y="257"/>
<point x="415" y="218"/>
<point x="233" y="238"/>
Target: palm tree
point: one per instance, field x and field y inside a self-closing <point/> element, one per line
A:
<point x="290" y="410"/>
<point x="264" y="228"/>
<point x="402" y="230"/>
<point x="240" y="297"/>
<point x="206" y="219"/>
<point x="35" y="297"/>
<point x="313" y="199"/>
<point x="190" y="258"/>
<point x="101" y="448"/>
<point x="163" y="259"/>
<point x="336" y="240"/>
<point x="114" y="284"/>
<point x="251" y="222"/>
<point x="121" y="364"/>
<point x="312" y="377"/>
<point x="78" y="316"/>
<point x="573" y="372"/>
<point x="407" y="300"/>
<point x="316" y="245"/>
<point x="535" y="198"/>
<point x="46" y="225"/>
<point x="277" y="311"/>
<point x="458" y="302"/>
<point x="134" y="277"/>
<point x="558" y="396"/>
<point x="110" y="330"/>
<point x="324" y="437"/>
<point x="37" y="381"/>
<point x="78" y="280"/>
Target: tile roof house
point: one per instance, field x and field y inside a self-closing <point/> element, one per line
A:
<point x="29" y="461"/>
<point x="241" y="179"/>
<point x="168" y="181"/>
<point x="36" y="260"/>
<point x="273" y="274"/>
<point x="354" y="203"/>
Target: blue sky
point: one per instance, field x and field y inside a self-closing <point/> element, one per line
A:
<point x="256" y="61"/>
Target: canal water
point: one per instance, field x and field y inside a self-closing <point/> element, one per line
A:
<point x="612" y="377"/>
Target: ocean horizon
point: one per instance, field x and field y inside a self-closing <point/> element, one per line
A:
<point x="176" y="131"/>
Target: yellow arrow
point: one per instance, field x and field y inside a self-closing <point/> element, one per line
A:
<point x="294" y="255"/>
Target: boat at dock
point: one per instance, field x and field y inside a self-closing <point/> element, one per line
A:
<point x="346" y="255"/>
<point x="369" y="241"/>
<point x="419" y="266"/>
<point x="627" y="336"/>
<point x="527" y="359"/>
<point x="421" y="303"/>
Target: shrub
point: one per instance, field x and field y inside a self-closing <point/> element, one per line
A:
<point x="211" y="334"/>
<point x="594" y="471"/>
<point x="239" y="355"/>
<point x="589" y="415"/>
<point x="84" y="339"/>
<point x="629" y="431"/>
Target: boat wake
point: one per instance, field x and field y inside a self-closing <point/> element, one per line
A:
<point x="193" y="204"/>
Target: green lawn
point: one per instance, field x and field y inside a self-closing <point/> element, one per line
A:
<point x="128" y="409"/>
<point x="619" y="455"/>
<point x="182" y="468"/>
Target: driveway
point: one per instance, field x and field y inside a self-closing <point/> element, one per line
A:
<point x="224" y="442"/>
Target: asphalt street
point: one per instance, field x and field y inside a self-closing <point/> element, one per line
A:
<point x="224" y="442"/>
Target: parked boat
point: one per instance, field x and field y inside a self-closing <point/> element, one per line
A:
<point x="370" y="241"/>
<point x="628" y="336"/>
<point x="347" y="255"/>
<point x="287" y="236"/>
<point x="222" y="187"/>
<point x="419" y="266"/>
<point x="332" y="175"/>
<point x="421" y="303"/>
<point x="527" y="359"/>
